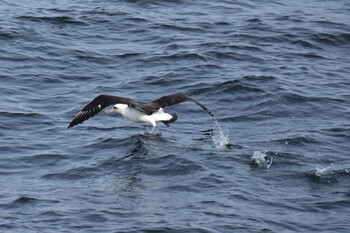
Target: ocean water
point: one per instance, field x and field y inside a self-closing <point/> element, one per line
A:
<point x="276" y="157"/>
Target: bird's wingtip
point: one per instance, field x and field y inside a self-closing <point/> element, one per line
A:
<point x="209" y="112"/>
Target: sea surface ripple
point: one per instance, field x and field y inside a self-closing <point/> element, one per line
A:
<point x="274" y="159"/>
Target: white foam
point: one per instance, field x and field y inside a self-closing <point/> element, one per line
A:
<point x="220" y="138"/>
<point x="260" y="159"/>
<point x="323" y="171"/>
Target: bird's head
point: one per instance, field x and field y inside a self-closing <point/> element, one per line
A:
<point x="118" y="108"/>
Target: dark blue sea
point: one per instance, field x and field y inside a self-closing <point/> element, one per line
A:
<point x="275" y="158"/>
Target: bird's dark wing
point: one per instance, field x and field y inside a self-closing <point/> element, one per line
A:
<point x="99" y="103"/>
<point x="172" y="100"/>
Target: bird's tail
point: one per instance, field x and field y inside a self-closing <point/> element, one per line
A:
<point x="173" y="119"/>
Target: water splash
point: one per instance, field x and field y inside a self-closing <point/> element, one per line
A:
<point x="324" y="175"/>
<point x="220" y="138"/>
<point x="323" y="171"/>
<point x="261" y="160"/>
<point x="153" y="132"/>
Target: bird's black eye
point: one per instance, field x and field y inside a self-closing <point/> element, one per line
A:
<point x="114" y="107"/>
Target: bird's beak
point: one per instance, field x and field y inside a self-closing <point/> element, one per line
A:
<point x="110" y="110"/>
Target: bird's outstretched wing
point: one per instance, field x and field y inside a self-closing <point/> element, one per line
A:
<point x="175" y="99"/>
<point x="99" y="103"/>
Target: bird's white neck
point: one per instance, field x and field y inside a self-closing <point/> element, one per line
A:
<point x="123" y="109"/>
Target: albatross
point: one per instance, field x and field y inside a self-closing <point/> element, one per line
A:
<point x="151" y="113"/>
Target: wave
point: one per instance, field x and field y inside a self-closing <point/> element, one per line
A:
<point x="178" y="56"/>
<point x="44" y="159"/>
<point x="8" y="34"/>
<point x="230" y="87"/>
<point x="21" y="114"/>
<point x="130" y="148"/>
<point x="148" y="3"/>
<point x="130" y="152"/>
<point x="297" y="141"/>
<point x="54" y="20"/>
<point x="19" y="120"/>
<point x="331" y="39"/>
<point x="181" y="28"/>
<point x="167" y="229"/>
<point x="171" y="165"/>
<point x="327" y="175"/>
<point x="264" y="159"/>
<point x="22" y="201"/>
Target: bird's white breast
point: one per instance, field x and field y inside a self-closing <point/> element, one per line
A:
<point x="134" y="115"/>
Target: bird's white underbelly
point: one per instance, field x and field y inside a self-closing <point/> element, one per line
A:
<point x="134" y="115"/>
<point x="137" y="116"/>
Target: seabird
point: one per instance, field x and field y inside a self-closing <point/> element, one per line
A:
<point x="134" y="111"/>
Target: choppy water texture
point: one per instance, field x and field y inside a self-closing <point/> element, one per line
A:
<point x="275" y="159"/>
